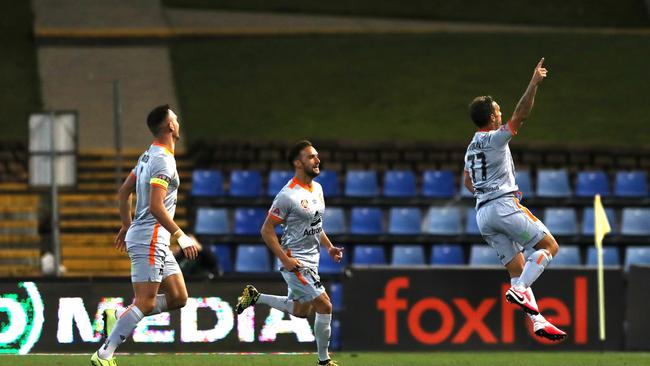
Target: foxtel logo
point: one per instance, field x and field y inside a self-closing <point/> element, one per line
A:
<point x="473" y="315"/>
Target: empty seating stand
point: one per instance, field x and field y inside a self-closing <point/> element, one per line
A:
<point x="19" y="237"/>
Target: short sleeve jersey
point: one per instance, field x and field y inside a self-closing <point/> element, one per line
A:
<point x="156" y="167"/>
<point x="301" y="210"/>
<point x="489" y="163"/>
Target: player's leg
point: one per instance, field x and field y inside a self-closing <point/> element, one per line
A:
<point x="145" y="300"/>
<point x="173" y="292"/>
<point x="251" y="296"/>
<point x="146" y="275"/>
<point x="323" y="328"/>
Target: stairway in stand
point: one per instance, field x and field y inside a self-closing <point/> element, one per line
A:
<point x="89" y="216"/>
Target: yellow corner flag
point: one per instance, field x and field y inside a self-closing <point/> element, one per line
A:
<point x="601" y="228"/>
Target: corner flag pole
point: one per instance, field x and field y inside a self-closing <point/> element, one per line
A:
<point x="601" y="228"/>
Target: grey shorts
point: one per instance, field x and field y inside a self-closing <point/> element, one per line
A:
<point x="509" y="227"/>
<point x="151" y="264"/>
<point x="304" y="284"/>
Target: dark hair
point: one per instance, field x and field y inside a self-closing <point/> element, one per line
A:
<point x="156" y="117"/>
<point x="480" y="110"/>
<point x="294" y="152"/>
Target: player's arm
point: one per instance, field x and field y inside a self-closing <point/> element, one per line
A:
<point x="124" y="204"/>
<point x="271" y="239"/>
<point x="525" y="105"/>
<point x="467" y="181"/>
<point x="160" y="213"/>
<point x="335" y="252"/>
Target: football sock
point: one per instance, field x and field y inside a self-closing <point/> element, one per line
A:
<point x="161" y="305"/>
<point x="123" y="329"/>
<point x="282" y="303"/>
<point x="322" y="331"/>
<point x="534" y="267"/>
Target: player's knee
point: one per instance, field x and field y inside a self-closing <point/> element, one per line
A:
<point x="179" y="301"/>
<point x="301" y="312"/>
<point x="146" y="306"/>
<point x="323" y="306"/>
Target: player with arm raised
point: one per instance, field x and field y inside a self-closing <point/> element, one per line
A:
<point x="505" y="224"/>
<point x="299" y="208"/>
<point x="146" y="238"/>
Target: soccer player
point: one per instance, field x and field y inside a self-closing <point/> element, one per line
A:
<point x="505" y="224"/>
<point x="146" y="239"/>
<point x="299" y="209"/>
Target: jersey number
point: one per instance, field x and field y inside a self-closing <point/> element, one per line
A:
<point x="480" y="157"/>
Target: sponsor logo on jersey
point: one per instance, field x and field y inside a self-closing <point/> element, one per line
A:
<point x="275" y="211"/>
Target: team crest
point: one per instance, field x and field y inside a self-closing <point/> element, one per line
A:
<point x="304" y="203"/>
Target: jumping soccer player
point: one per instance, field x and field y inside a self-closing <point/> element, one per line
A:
<point x="505" y="224"/>
<point x="146" y="239"/>
<point x="299" y="209"/>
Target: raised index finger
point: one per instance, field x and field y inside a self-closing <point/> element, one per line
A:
<point x="539" y="64"/>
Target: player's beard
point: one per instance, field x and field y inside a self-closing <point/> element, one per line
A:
<point x="312" y="173"/>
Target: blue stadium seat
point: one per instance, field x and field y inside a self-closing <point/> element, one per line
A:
<point x="369" y="255"/>
<point x="366" y="221"/>
<point x="207" y="183"/>
<point x="361" y="183"/>
<point x="399" y="183"/>
<point x="336" y="295"/>
<point x="334" y="221"/>
<point x="252" y="258"/>
<point x="443" y="221"/>
<point x="447" y="254"/>
<point x="588" y="220"/>
<point x="636" y="221"/>
<point x="610" y="257"/>
<point x="471" y="226"/>
<point x="569" y="255"/>
<point x="553" y="183"/>
<point x="248" y="221"/>
<point x="327" y="264"/>
<point x="211" y="221"/>
<point x="637" y="255"/>
<point x="525" y="183"/>
<point x="407" y="255"/>
<point x="438" y="184"/>
<point x="245" y="183"/>
<point x="329" y="180"/>
<point x="631" y="184"/>
<point x="590" y="184"/>
<point x="222" y="254"/>
<point x="483" y="255"/>
<point x="277" y="180"/>
<point x="561" y="220"/>
<point x="404" y="221"/>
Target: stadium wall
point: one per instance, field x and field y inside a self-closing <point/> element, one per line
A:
<point x="415" y="309"/>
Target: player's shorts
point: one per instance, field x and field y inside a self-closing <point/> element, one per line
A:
<point x="149" y="265"/>
<point x="304" y="284"/>
<point x="509" y="227"/>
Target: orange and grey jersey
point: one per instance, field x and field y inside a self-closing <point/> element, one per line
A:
<point x="489" y="164"/>
<point x="156" y="167"/>
<point x="301" y="210"/>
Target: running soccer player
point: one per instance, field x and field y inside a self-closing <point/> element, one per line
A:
<point x="505" y="224"/>
<point x="147" y="238"/>
<point x="299" y="208"/>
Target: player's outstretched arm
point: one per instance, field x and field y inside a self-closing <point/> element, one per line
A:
<point x="525" y="105"/>
<point x="271" y="239"/>
<point x="124" y="203"/>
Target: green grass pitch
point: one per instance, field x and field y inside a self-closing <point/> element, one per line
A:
<point x="354" y="359"/>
